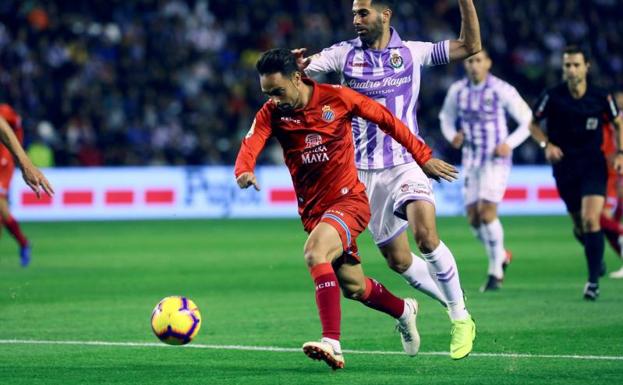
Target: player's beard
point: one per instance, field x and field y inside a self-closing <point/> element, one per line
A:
<point x="288" y="108"/>
<point x="374" y="32"/>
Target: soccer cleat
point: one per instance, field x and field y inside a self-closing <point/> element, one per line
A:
<point x="409" y="335"/>
<point x="492" y="284"/>
<point x="591" y="291"/>
<point x="508" y="260"/>
<point x="24" y="255"/>
<point x="463" y="335"/>
<point x="617" y="274"/>
<point x="323" y="351"/>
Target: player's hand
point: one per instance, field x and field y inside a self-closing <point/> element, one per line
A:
<point x="457" y="142"/>
<point x="618" y="163"/>
<point x="301" y="60"/>
<point x="35" y="179"/>
<point x="503" y="150"/>
<point x="247" y="179"/>
<point x="553" y="153"/>
<point x="438" y="169"/>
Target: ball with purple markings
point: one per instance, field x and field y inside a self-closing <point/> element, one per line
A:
<point x="176" y="320"/>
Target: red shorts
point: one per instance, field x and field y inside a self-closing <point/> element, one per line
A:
<point x="349" y="216"/>
<point x="6" y="173"/>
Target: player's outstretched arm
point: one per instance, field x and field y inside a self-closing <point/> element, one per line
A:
<point x="251" y="147"/>
<point x="301" y="60"/>
<point x="447" y="119"/>
<point x="375" y="112"/>
<point x="33" y="177"/>
<point x="468" y="42"/>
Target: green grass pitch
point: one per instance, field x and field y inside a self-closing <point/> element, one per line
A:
<point x="100" y="281"/>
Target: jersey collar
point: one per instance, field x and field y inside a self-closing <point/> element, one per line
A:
<point x="394" y="40"/>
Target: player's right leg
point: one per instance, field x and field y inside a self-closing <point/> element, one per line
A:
<point x="389" y="231"/>
<point x="355" y="285"/>
<point x="11" y="224"/>
<point x="493" y="234"/>
<point x="322" y="247"/>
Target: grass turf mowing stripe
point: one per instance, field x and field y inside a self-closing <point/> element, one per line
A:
<point x="297" y="350"/>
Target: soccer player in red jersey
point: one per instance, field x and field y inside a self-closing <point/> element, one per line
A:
<point x="312" y="122"/>
<point x="11" y="135"/>
<point x="613" y="209"/>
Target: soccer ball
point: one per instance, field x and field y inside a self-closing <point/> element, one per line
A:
<point x="176" y="320"/>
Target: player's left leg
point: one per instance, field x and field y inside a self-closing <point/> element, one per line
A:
<point x="592" y="206"/>
<point x="355" y="285"/>
<point x="618" y="213"/>
<point x="14" y="228"/>
<point x="322" y="247"/>
<point x="612" y="228"/>
<point x="441" y="263"/>
<point x="493" y="234"/>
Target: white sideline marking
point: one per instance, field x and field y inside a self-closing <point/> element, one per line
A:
<point x="298" y="350"/>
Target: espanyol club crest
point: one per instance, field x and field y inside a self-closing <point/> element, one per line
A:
<point x="313" y="140"/>
<point x="396" y="61"/>
<point x="327" y="114"/>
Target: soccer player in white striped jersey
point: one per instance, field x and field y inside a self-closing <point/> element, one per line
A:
<point x="479" y="103"/>
<point x="379" y="64"/>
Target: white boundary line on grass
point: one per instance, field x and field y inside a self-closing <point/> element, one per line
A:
<point x="297" y="350"/>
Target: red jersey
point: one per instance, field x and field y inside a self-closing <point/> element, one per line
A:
<point x="318" y="145"/>
<point x="15" y="121"/>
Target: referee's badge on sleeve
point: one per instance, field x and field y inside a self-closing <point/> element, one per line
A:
<point x="592" y="123"/>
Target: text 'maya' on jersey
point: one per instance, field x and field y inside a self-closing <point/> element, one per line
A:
<point x="317" y="143"/>
<point x="575" y="125"/>
<point x="480" y="111"/>
<point x="391" y="77"/>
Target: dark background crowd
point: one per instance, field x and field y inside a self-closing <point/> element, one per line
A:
<point x="172" y="82"/>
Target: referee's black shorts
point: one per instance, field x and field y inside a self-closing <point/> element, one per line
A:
<point x="579" y="177"/>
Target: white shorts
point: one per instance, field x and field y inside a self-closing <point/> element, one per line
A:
<point x="485" y="183"/>
<point x="389" y="190"/>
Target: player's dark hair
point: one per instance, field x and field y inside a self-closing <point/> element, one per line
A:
<point x="380" y="5"/>
<point x="277" y="60"/>
<point x="576" y="49"/>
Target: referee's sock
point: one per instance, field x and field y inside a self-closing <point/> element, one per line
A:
<point x="594" y="251"/>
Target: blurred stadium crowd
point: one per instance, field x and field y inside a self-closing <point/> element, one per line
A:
<point x="172" y="82"/>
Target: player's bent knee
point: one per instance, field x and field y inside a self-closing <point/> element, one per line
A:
<point x="427" y="240"/>
<point x="314" y="257"/>
<point x="399" y="262"/>
<point x="591" y="224"/>
<point x="354" y="292"/>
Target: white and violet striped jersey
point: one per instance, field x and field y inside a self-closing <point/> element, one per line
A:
<point x="480" y="111"/>
<point x="391" y="77"/>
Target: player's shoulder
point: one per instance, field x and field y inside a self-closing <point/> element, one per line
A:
<point x="598" y="92"/>
<point x="343" y="46"/>
<point x="417" y="44"/>
<point x="327" y="90"/>
<point x="502" y="86"/>
<point x="458" y="85"/>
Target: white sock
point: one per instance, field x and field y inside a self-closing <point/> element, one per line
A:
<point x="443" y="268"/>
<point x="335" y="344"/>
<point x="418" y="276"/>
<point x="494" y="235"/>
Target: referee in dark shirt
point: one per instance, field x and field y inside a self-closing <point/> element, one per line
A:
<point x="574" y="113"/>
